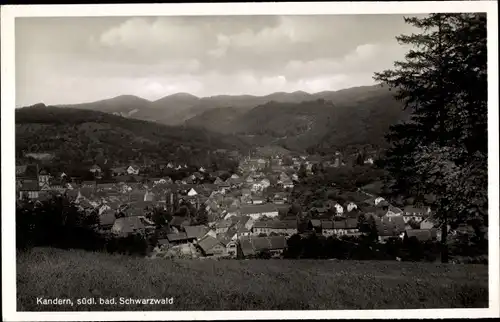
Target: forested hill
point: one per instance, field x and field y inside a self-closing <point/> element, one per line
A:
<point x="326" y="121"/>
<point x="74" y="135"/>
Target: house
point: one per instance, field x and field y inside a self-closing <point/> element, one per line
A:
<point x="29" y="171"/>
<point x="56" y="185"/>
<point x="388" y="227"/>
<point x="421" y="235"/>
<point x="218" y="181"/>
<point x="95" y="169"/>
<point x="265" y="183"/>
<point x="179" y="238"/>
<point x="231" y="212"/>
<point x="288" y="227"/>
<point x="257" y="201"/>
<point x="378" y="200"/>
<point x="320" y="210"/>
<point x="29" y="189"/>
<point x="347" y="227"/>
<point x="160" y="181"/>
<point x="196" y="232"/>
<point x="132" y="170"/>
<point x="415" y="214"/>
<point x="107" y="219"/>
<point x="238" y="228"/>
<point x="283" y="177"/>
<point x="70" y="186"/>
<point x="351" y="206"/>
<point x="393" y="211"/>
<point x="257" y="211"/>
<point x="127" y="225"/>
<point x="234" y="182"/>
<point x="118" y="171"/>
<point x="211" y="246"/>
<point x="101" y="187"/>
<point x="136" y="208"/>
<point x="103" y="208"/>
<point x="256" y="187"/>
<point x="44" y="180"/>
<point x="287" y="184"/>
<point x="246" y="192"/>
<point x="149" y="196"/>
<point x="280" y="198"/>
<point x="327" y="228"/>
<point x="202" y="169"/>
<point x="235" y="176"/>
<point x="339" y="210"/>
<point x="427" y="224"/>
<point x="197" y="176"/>
<point x="251" y="246"/>
<point x="222" y="227"/>
<point x="231" y="248"/>
<point x="315" y="225"/>
<point x="192" y="192"/>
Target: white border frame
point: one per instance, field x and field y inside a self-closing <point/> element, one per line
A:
<point x="8" y="15"/>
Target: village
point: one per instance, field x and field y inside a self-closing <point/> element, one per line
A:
<point x="239" y="217"/>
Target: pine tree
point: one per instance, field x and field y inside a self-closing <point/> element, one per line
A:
<point x="443" y="83"/>
<point x="202" y="216"/>
<point x="302" y="173"/>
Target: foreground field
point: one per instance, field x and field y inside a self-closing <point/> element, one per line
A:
<point x="243" y="285"/>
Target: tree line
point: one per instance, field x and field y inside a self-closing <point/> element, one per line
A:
<point x="442" y="149"/>
<point x="57" y="222"/>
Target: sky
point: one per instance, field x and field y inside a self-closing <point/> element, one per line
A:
<point x="61" y="60"/>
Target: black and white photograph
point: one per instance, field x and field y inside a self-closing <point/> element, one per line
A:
<point x="308" y="158"/>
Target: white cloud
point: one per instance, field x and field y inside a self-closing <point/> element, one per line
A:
<point x="85" y="59"/>
<point x="160" y="39"/>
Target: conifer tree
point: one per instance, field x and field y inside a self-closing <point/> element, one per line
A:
<point x="441" y="152"/>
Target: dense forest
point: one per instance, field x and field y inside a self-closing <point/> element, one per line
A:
<point x="84" y="136"/>
<point x="317" y="125"/>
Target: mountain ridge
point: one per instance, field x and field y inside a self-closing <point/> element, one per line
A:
<point x="175" y="109"/>
<point x="323" y="122"/>
<point x="297" y="120"/>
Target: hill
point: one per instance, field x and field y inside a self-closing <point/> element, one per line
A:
<point x="355" y="116"/>
<point x="125" y="105"/>
<point x="296" y="121"/>
<point x="177" y="108"/>
<point x="218" y="119"/>
<point x="82" y="135"/>
<point x="245" y="285"/>
<point x="170" y="110"/>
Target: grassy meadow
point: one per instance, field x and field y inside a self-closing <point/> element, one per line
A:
<point x="244" y="285"/>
